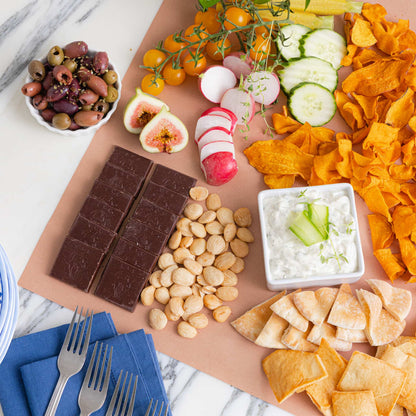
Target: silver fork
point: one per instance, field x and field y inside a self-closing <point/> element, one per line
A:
<point x="155" y="409"/>
<point x="71" y="357"/>
<point x="123" y="399"/>
<point x="94" y="391"/>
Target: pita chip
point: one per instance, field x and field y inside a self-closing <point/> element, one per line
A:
<point x="346" y="311"/>
<point x="351" y="335"/>
<point x="271" y="334"/>
<point x="328" y="332"/>
<point x="286" y="309"/>
<point x="365" y="372"/>
<point x="294" y="339"/>
<point x="357" y="403"/>
<point x="406" y="345"/>
<point x="396" y="300"/>
<point x="289" y="371"/>
<point x="251" y="323"/>
<point x="321" y="392"/>
<point x="398" y="411"/>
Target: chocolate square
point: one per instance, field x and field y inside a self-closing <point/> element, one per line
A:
<point x="121" y="284"/>
<point x="164" y="198"/>
<point x="134" y="255"/>
<point x="101" y="213"/>
<point x="144" y="237"/>
<point x="130" y="162"/>
<point x="120" y="179"/>
<point x="172" y="179"/>
<point x="77" y="264"/>
<point x="91" y="234"/>
<point x="113" y="197"/>
<point x="155" y="217"/>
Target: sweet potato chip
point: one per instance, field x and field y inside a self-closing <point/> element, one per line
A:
<point x="284" y="124"/>
<point x="373" y="12"/>
<point x="351" y="112"/>
<point x="401" y="110"/>
<point x="390" y="263"/>
<point x="408" y="252"/>
<point x="357" y="403"/>
<point x="386" y="41"/>
<point x="361" y="34"/>
<point x="404" y="221"/>
<point x="375" y="201"/>
<point x="279" y="181"/>
<point x="368" y="104"/>
<point x="381" y="232"/>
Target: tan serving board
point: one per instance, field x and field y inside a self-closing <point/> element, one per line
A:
<point x="218" y="349"/>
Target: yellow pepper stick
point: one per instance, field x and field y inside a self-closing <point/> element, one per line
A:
<point x="326" y="7"/>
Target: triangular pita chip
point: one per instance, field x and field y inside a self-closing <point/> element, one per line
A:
<point x="321" y="391"/>
<point x="357" y="403"/>
<point x="318" y="332"/>
<point x="351" y="335"/>
<point x="398" y="411"/>
<point x="251" y="323"/>
<point x="288" y="371"/>
<point x="346" y="311"/>
<point x="364" y="372"/>
<point x="286" y="309"/>
<point x="271" y="334"/>
<point x="294" y="339"/>
<point x="396" y="300"/>
<point x="382" y="328"/>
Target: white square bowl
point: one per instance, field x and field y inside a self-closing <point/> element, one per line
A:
<point x="322" y="277"/>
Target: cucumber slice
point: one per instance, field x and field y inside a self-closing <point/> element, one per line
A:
<point x="319" y="214"/>
<point x="308" y="70"/>
<point x="312" y="103"/>
<point x="304" y="229"/>
<point x="291" y="35"/>
<point x="325" y="44"/>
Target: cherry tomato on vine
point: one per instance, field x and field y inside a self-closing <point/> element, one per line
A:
<point x="196" y="33"/>
<point x="173" y="45"/>
<point x="152" y="85"/>
<point x="262" y="31"/>
<point x="193" y="67"/>
<point x="173" y="76"/>
<point x="219" y="49"/>
<point x="260" y="49"/>
<point x="153" y="58"/>
<point x="209" y="19"/>
<point x="235" y="17"/>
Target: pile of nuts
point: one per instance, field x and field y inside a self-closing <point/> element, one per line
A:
<point x="207" y="251"/>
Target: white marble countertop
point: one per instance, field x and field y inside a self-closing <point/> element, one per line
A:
<point x="36" y="166"/>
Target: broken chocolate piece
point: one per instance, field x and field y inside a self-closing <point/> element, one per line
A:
<point x="173" y="180"/>
<point x="77" y="264"/>
<point x="113" y="197"/>
<point x="134" y="255"/>
<point x="164" y="198"/>
<point x="130" y="162"/>
<point x="121" y="284"/>
<point x="120" y="179"/>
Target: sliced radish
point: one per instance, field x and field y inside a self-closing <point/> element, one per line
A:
<point x="214" y="81"/>
<point x="221" y="112"/>
<point x="264" y="86"/>
<point x="214" y="135"/>
<point x="215" y="147"/>
<point x="209" y="121"/>
<point x="219" y="168"/>
<point x="240" y="102"/>
<point x="240" y="63"/>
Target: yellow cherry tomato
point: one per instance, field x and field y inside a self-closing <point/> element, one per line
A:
<point x="152" y="85"/>
<point x="235" y="17"/>
<point x="196" y="34"/>
<point x="260" y="49"/>
<point x="219" y="49"/>
<point x="173" y="43"/>
<point x="194" y="66"/>
<point x="208" y="18"/>
<point x="153" y="58"/>
<point x="173" y="76"/>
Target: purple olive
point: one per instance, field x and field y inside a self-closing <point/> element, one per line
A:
<point x="73" y="126"/>
<point x="84" y="74"/>
<point x="31" y="88"/>
<point x="75" y="49"/>
<point x="74" y="90"/>
<point x="86" y="61"/>
<point x="56" y="92"/>
<point x="39" y="102"/>
<point x="88" y="97"/>
<point x="100" y="62"/>
<point x="62" y="74"/>
<point x="65" y="106"/>
<point x="48" y="114"/>
<point x="47" y="81"/>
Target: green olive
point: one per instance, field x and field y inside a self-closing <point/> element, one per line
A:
<point x="101" y="106"/>
<point x="37" y="70"/>
<point x="112" y="94"/>
<point x="61" y="121"/>
<point x="110" y="77"/>
<point x="87" y="107"/>
<point x="70" y="64"/>
<point x="55" y="56"/>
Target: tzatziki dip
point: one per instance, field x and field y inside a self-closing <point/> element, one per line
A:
<point x="288" y="256"/>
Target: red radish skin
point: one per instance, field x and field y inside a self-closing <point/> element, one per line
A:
<point x="240" y="63"/>
<point x="221" y="112"/>
<point x="264" y="86"/>
<point x="216" y="147"/>
<point x="214" y="81"/>
<point x="209" y="122"/>
<point x="219" y="168"/>
<point x="214" y="135"/>
<point x="241" y="103"/>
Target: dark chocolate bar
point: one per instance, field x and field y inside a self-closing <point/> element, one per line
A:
<point x="165" y="198"/>
<point x="121" y="180"/>
<point x="133" y="163"/>
<point x="113" y="197"/>
<point x="173" y="180"/>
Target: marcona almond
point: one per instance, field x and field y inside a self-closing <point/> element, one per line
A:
<point x="213" y="202"/>
<point x="198" y="193"/>
<point x="193" y="304"/>
<point x="169" y="314"/>
<point x="215" y="244"/>
<point x="244" y="234"/>
<point x="225" y="216"/>
<point x="165" y="260"/>
<point x="176" y="305"/>
<point x="154" y="278"/>
<point x="208" y="290"/>
<point x="166" y="275"/>
<point x="206" y="259"/>
<point x="182" y="253"/>
<point x="175" y="240"/>
<point x="193" y="211"/>
<point x="198" y="229"/>
<point x="207" y="216"/>
<point x="182" y="276"/>
<point x="222" y="313"/>
<point x="214" y="227"/>
<point x="212" y="302"/>
<point x="213" y="276"/>
<point x="238" y="266"/>
<point x="227" y="293"/>
<point x="186" y="330"/>
<point x="239" y="248"/>
<point x="196" y="289"/>
<point x="230" y="231"/>
<point x="157" y="319"/>
<point x="200" y="279"/>
<point x="183" y="226"/>
<point x="162" y="295"/>
<point x="230" y="278"/>
<point x="186" y="242"/>
<point x="224" y="261"/>
<point x="180" y="291"/>
<point x="148" y="295"/>
<point x="242" y="217"/>
<point x="193" y="266"/>
<point x="198" y="320"/>
<point x="198" y="246"/>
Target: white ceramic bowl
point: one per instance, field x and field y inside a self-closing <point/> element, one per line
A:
<point x="82" y="131"/>
<point x="293" y="246"/>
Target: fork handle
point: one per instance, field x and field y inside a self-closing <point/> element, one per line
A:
<point x="56" y="396"/>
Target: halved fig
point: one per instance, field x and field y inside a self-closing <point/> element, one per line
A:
<point x="140" y="109"/>
<point x="164" y="133"/>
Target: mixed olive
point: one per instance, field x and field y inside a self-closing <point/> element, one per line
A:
<point x="73" y="88"/>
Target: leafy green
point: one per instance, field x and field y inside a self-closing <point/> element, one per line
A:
<point x="208" y="3"/>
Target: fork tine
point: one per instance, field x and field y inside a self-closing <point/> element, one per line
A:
<point x="97" y="367"/>
<point x="126" y="396"/>
<point x="69" y="330"/>
<point x="87" y="335"/>
<point x="75" y="335"/>
<point x="114" y="396"/>
<point x="132" y="398"/>
<point x="166" y="410"/>
<point x="87" y="377"/>
<point x="149" y="408"/>
<point x="161" y="408"/>
<point x="120" y="397"/>
<point x="154" y="410"/>
<point x="108" y="370"/>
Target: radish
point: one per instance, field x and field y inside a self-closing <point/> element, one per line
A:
<point x="219" y="168"/>
<point x="210" y="121"/>
<point x="240" y="63"/>
<point x="221" y="112"/>
<point x="214" y="81"/>
<point x="214" y="134"/>
<point x="216" y="147"/>
<point x="264" y="86"/>
<point x="240" y="102"/>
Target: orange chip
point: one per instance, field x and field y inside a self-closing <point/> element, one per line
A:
<point x="410" y="190"/>
<point x="381" y="232"/>
<point x="410" y="78"/>
<point x="408" y="252"/>
<point x="344" y="167"/>
<point x="382" y="140"/>
<point x="361" y="34"/>
<point x="351" y="112"/>
<point x="325" y="169"/>
<point x="373" y="12"/>
<point x="386" y="41"/>
<point x="364" y="58"/>
<point x="390" y="263"/>
<point x="284" y="124"/>
<point x="368" y="104"/>
<point x="401" y="173"/>
<point x="409" y="152"/>
<point x="279" y="181"/>
<point x="404" y="221"/>
<point x="401" y="110"/>
<point x="375" y="201"/>
<point x="349" y="56"/>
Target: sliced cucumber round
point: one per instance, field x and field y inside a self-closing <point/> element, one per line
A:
<point x="308" y="70"/>
<point x="288" y="42"/>
<point x="325" y="44"/>
<point x="312" y="103"/>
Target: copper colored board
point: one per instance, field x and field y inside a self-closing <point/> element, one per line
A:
<point x="217" y="350"/>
